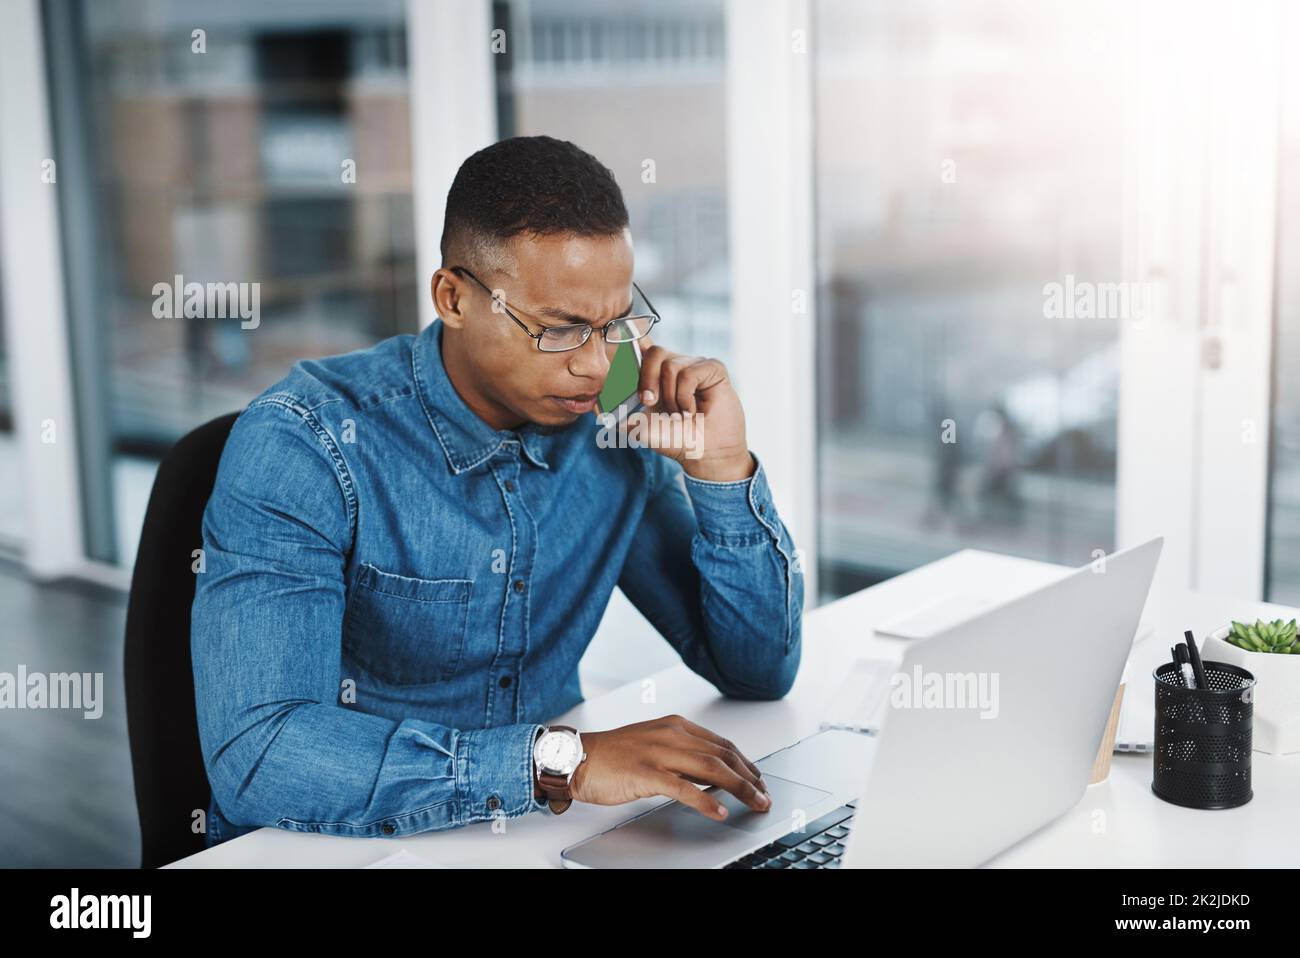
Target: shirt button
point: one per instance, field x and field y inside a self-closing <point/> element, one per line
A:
<point x="504" y="681"/>
<point x="493" y="803"/>
<point x="388" y="828"/>
<point x="510" y="486"/>
<point x="519" y="585"/>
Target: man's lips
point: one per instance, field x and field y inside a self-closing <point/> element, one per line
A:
<point x="577" y="404"/>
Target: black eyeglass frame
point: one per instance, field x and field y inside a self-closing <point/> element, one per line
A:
<point x="603" y="330"/>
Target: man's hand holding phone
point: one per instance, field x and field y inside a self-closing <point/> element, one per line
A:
<point x="673" y="385"/>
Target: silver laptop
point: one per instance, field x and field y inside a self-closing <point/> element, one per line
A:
<point x="991" y="731"/>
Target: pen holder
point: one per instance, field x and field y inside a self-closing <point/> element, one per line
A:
<point x="1203" y="737"/>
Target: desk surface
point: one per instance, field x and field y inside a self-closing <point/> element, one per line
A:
<point x="1118" y="822"/>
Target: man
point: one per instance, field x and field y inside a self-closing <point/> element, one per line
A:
<point x="409" y="547"/>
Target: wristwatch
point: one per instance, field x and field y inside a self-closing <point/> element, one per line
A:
<point x="557" y="753"/>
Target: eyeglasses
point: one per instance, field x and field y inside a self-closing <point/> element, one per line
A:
<point x="557" y="339"/>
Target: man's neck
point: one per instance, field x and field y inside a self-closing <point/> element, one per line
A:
<point x="492" y="413"/>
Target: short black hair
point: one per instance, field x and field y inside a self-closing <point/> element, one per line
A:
<point x="527" y="184"/>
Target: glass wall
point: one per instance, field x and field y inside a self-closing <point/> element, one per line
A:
<point x="1283" y="560"/>
<point x="639" y="84"/>
<point x="969" y="190"/>
<point x="261" y="148"/>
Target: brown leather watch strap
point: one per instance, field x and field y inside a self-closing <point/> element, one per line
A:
<point x="556" y="788"/>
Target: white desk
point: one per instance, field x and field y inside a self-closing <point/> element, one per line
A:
<point x="1118" y="822"/>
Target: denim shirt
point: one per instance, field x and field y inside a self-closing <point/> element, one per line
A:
<point x="394" y="595"/>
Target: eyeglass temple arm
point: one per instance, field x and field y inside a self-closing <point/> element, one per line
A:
<point x="537" y="337"/>
<point x="646" y="298"/>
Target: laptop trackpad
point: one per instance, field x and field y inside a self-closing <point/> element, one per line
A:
<point x="790" y="802"/>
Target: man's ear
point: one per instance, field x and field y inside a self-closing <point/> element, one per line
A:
<point x="445" y="288"/>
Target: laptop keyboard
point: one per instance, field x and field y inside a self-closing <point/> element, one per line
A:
<point x="820" y="845"/>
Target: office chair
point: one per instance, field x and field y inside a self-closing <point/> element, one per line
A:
<point x="166" y="760"/>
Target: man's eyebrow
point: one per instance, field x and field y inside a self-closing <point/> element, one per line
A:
<point x="553" y="312"/>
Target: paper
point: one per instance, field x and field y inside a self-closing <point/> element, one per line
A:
<point x="858" y="704"/>
<point x="938" y="616"/>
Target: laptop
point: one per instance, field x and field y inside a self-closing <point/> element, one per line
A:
<point x="992" y="728"/>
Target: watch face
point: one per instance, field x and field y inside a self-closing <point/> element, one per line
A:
<point x="557" y="752"/>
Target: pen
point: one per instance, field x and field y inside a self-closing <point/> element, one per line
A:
<point x="1195" y="656"/>
<point x="1185" y="665"/>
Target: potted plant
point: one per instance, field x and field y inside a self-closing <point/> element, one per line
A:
<point x="1270" y="651"/>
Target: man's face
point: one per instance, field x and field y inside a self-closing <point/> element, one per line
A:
<point x="553" y="281"/>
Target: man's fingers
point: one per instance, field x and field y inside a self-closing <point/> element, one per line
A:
<point x="687" y="382"/>
<point x="679" y="788"/>
<point x="652" y="360"/>
<point x="699" y="731"/>
<point x="683" y="741"/>
<point x="668" y="372"/>
<point x="715" y="771"/>
<point x="737" y="762"/>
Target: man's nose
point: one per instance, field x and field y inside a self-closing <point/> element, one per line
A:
<point x="591" y="359"/>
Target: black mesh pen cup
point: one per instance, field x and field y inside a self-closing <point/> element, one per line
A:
<point x="1203" y="737"/>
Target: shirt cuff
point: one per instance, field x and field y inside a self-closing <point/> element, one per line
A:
<point x="734" y="513"/>
<point x="494" y="772"/>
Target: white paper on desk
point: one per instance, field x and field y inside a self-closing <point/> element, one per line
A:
<point x="858" y="704"/>
<point x="939" y="615"/>
<point x="403" y="859"/>
<point x="1137" y="716"/>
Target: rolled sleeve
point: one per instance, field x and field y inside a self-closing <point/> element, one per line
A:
<point x="736" y="513"/>
<point x="733" y="610"/>
<point x="494" y="772"/>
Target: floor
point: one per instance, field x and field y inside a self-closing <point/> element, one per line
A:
<point x="67" y="798"/>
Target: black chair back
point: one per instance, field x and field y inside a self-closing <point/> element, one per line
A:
<point x="170" y="781"/>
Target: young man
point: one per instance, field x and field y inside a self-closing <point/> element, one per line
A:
<point x="409" y="548"/>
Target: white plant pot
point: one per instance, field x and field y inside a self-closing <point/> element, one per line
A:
<point x="1277" y="691"/>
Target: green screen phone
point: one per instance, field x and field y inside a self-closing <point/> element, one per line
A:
<point x="620" y="390"/>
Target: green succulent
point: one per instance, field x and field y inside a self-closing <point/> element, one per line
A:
<point x="1276" y="636"/>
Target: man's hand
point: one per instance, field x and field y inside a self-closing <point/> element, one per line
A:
<point x="700" y="390"/>
<point x="666" y="756"/>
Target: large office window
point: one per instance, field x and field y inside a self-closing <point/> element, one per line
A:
<point x="1283" y="565"/>
<point x="640" y="85"/>
<point x="261" y="147"/>
<point x="969" y="189"/>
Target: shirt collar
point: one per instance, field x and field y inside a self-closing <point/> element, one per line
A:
<point x="466" y="439"/>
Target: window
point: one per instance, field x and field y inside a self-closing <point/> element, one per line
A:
<point x="639" y="85"/>
<point x="969" y="188"/>
<point x="259" y="148"/>
<point x="1283" y="557"/>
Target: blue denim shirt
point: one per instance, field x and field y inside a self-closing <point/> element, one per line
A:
<point x="394" y="595"/>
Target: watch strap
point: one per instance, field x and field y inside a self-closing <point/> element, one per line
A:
<point x="557" y="788"/>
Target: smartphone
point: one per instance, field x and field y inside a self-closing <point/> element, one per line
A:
<point x="621" y="396"/>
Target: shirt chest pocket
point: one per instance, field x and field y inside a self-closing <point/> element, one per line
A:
<point x="406" y="631"/>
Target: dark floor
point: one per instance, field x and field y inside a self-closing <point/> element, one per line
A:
<point x="66" y="795"/>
